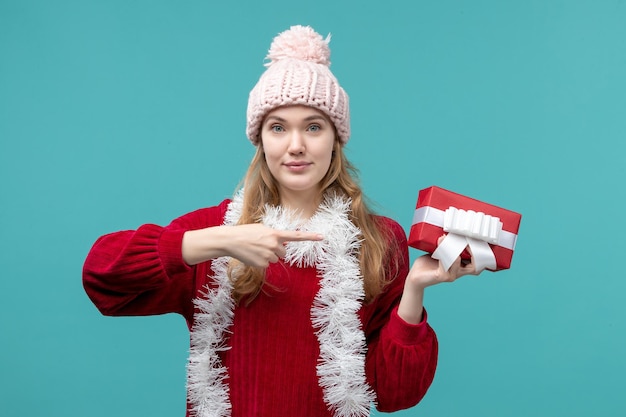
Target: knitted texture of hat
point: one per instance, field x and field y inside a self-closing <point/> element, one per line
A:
<point x="298" y="73"/>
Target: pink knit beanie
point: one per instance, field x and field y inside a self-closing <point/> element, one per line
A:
<point x="298" y="73"/>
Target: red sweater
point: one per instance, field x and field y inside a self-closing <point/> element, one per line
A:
<point x="273" y="350"/>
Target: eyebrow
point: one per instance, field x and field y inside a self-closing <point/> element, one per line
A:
<point x="306" y="119"/>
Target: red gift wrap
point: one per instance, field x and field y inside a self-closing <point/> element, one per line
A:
<point x="428" y="223"/>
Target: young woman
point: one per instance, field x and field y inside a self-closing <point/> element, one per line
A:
<point x="299" y="300"/>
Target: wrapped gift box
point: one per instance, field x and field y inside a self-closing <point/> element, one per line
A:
<point x="440" y="212"/>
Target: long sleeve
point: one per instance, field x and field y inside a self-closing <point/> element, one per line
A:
<point x="141" y="272"/>
<point x="402" y="357"/>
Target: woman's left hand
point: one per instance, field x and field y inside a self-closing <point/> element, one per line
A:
<point x="426" y="272"/>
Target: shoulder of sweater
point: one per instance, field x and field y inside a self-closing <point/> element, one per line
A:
<point x="390" y="226"/>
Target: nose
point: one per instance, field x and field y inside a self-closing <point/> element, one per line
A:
<point x="296" y="143"/>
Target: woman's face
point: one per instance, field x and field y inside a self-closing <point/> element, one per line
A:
<point x="298" y="144"/>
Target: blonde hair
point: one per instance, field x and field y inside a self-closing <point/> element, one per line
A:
<point x="377" y="247"/>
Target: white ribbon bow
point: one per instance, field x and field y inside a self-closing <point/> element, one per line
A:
<point x="469" y="229"/>
<point x="452" y="246"/>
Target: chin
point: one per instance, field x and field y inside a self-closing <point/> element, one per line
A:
<point x="301" y="188"/>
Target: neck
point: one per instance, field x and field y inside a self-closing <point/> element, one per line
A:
<point x="305" y="203"/>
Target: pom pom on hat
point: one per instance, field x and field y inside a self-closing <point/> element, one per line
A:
<point x="300" y="42"/>
<point x="298" y="73"/>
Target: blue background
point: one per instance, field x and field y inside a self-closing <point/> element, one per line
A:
<point x="117" y="113"/>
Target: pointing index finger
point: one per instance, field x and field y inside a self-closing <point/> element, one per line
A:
<point x="298" y="236"/>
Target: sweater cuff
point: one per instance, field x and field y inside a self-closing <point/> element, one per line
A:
<point x="170" y="252"/>
<point x="404" y="333"/>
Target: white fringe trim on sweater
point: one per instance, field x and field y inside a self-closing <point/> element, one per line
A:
<point x="334" y="313"/>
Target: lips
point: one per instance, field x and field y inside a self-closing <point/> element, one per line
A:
<point x="297" y="164"/>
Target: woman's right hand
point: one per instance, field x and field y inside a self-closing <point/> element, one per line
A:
<point x="253" y="244"/>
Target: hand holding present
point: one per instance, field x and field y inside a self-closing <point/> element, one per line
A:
<point x="427" y="270"/>
<point x="464" y="236"/>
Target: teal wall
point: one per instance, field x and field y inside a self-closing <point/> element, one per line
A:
<point x="117" y="113"/>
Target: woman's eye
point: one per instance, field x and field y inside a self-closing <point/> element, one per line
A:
<point x="277" y="128"/>
<point x="315" y="128"/>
